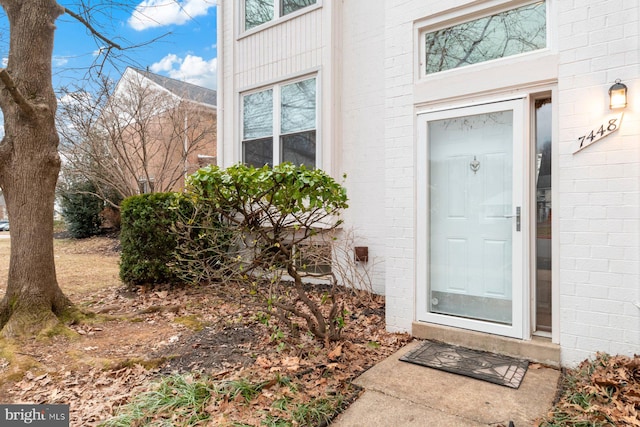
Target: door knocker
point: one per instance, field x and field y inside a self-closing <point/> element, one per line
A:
<point x="474" y="165"/>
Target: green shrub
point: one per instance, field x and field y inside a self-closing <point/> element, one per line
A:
<point x="271" y="216"/>
<point x="81" y="209"/>
<point x="146" y="238"/>
<point x="202" y="239"/>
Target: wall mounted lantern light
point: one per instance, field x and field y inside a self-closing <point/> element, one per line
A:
<point x="617" y="95"/>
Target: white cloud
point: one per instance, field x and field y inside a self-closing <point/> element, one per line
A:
<point x="99" y="51"/>
<point x="165" y="64"/>
<point x="191" y="69"/>
<point x="78" y="97"/>
<point x="59" y="61"/>
<point x="160" y="13"/>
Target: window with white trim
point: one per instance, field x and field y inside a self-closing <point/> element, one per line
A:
<point x="510" y="32"/>
<point x="146" y="185"/>
<point x="285" y="113"/>
<point x="258" y="12"/>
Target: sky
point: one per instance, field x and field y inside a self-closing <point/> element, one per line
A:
<point x="185" y="48"/>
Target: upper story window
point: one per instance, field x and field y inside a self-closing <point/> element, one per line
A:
<point x="258" y="12"/>
<point x="511" y="32"/>
<point x="284" y="113"/>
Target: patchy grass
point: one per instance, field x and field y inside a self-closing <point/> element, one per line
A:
<point x="177" y="397"/>
<point x="82" y="266"/>
<point x="13" y="362"/>
<point x="194" y="399"/>
<point x="192" y="322"/>
<point x="601" y="392"/>
<point x="59" y="329"/>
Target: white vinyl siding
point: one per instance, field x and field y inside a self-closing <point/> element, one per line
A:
<point x="258" y="12"/>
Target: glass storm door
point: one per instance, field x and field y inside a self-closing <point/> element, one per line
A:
<point x="472" y="226"/>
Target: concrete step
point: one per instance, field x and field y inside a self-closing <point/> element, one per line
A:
<point x="538" y="349"/>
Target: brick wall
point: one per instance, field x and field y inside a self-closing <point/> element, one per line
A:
<point x="399" y="166"/>
<point x="362" y="141"/>
<point x="599" y="215"/>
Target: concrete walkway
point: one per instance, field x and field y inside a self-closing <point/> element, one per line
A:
<point x="401" y="394"/>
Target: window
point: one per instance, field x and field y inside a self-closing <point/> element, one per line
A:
<point x="514" y="31"/>
<point x="206" y="160"/>
<point x="313" y="258"/>
<point x="146" y="186"/>
<point x="258" y="12"/>
<point x="543" y="243"/>
<point x="285" y="113"/>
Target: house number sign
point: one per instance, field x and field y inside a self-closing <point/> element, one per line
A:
<point x="605" y="128"/>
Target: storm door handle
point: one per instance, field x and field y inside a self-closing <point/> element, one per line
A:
<point x="516" y="216"/>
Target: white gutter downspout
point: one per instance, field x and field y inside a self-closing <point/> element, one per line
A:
<point x="220" y="84"/>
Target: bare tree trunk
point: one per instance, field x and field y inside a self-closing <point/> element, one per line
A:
<point x="29" y="165"/>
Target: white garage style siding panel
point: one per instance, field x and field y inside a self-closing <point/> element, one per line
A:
<point x="282" y="49"/>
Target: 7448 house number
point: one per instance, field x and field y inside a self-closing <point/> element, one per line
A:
<point x="605" y="128"/>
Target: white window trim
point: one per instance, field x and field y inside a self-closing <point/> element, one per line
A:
<point x="466" y="13"/>
<point x="277" y="105"/>
<point x="277" y="20"/>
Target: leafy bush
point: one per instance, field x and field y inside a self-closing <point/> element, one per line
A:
<point x="261" y="218"/>
<point x="203" y="241"/>
<point x="81" y="209"/>
<point x="146" y="238"/>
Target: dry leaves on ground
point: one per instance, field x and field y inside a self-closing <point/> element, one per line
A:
<point x="92" y="393"/>
<point x="600" y="392"/>
<point x="218" y="333"/>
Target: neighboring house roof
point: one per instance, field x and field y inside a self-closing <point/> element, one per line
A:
<point x="182" y="89"/>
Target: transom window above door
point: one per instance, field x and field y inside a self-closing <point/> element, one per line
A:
<point x="509" y="32"/>
<point x="258" y="12"/>
<point x="284" y="113"/>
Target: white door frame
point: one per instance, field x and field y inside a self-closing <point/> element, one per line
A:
<point x="520" y="243"/>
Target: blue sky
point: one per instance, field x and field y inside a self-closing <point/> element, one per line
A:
<point x="186" y="52"/>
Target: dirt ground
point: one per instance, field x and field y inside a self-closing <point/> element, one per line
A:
<point x="138" y="336"/>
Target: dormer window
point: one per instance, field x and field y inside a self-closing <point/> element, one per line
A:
<point x="258" y="12"/>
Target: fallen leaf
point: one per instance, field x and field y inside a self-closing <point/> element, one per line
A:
<point x="335" y="353"/>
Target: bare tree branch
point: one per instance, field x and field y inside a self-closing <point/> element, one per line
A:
<point x="140" y="133"/>
<point x="17" y="96"/>
<point x="93" y="31"/>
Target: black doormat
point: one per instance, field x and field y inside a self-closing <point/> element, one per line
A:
<point x="482" y="365"/>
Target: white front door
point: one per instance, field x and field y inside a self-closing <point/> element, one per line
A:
<point x="470" y="222"/>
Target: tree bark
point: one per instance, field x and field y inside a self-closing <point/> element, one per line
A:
<point x="29" y="166"/>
